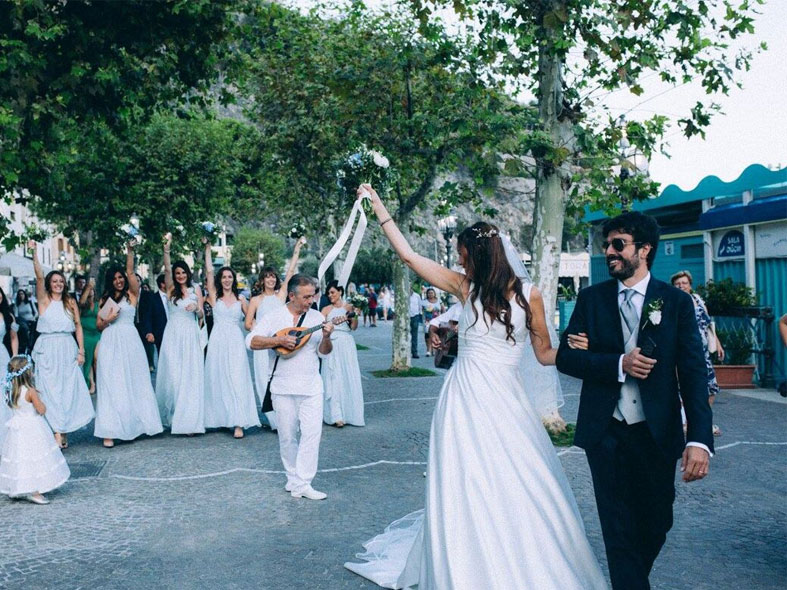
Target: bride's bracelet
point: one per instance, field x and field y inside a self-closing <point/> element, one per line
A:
<point x="382" y="223"/>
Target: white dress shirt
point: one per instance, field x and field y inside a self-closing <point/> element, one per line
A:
<point x="299" y="374"/>
<point x="452" y="315"/>
<point x="415" y="304"/>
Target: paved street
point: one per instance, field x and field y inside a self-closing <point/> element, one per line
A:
<point x="211" y="512"/>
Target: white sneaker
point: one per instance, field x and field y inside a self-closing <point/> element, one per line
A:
<point x="310" y="493"/>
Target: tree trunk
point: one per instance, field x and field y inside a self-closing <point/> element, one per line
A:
<point x="400" y="341"/>
<point x="552" y="181"/>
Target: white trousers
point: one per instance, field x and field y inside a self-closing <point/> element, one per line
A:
<point x="299" y="457"/>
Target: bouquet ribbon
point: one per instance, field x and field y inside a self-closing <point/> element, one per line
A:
<point x="355" y="245"/>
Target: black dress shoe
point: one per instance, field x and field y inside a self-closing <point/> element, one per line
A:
<point x="415" y="356"/>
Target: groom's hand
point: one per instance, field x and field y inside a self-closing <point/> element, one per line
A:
<point x="638" y="365"/>
<point x="695" y="463"/>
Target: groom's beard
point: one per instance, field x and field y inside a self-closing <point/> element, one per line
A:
<point x="625" y="270"/>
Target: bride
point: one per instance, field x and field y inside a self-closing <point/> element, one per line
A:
<point x="499" y="511"/>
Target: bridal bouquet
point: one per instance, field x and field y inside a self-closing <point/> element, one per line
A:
<point x="363" y="166"/>
<point x="358" y="301"/>
<point x="297" y="231"/>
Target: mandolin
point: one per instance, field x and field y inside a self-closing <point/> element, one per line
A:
<point x="302" y="335"/>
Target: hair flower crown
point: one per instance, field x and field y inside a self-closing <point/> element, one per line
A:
<point x="479" y="233"/>
<point x="11" y="375"/>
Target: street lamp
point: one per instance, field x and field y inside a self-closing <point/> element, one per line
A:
<point x="253" y="268"/>
<point x="447" y="226"/>
<point x="61" y="261"/>
<point x="134" y="220"/>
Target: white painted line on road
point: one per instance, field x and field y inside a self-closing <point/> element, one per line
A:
<point x="568" y="451"/>
<point x="250" y="470"/>
<point x="749" y="442"/>
<point x="399" y="399"/>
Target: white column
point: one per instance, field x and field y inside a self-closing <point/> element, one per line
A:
<point x="748" y="240"/>
<point x="707" y="246"/>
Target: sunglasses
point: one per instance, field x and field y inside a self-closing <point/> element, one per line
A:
<point x="619" y="244"/>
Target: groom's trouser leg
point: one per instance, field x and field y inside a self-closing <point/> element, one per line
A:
<point x="634" y="486"/>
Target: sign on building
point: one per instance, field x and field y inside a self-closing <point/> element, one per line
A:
<point x="731" y="245"/>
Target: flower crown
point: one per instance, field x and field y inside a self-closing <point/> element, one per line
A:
<point x="11" y="375"/>
<point x="490" y="233"/>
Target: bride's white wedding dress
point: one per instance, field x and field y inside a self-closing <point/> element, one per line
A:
<point x="500" y="513"/>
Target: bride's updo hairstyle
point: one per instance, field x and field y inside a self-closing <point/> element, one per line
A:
<point x="492" y="277"/>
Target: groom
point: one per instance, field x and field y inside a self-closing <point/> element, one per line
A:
<point x="642" y="343"/>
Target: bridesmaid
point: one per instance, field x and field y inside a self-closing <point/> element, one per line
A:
<point x="88" y="307"/>
<point x="10" y="344"/>
<point x="58" y="357"/>
<point x="126" y="405"/>
<point x="229" y="393"/>
<point x="270" y="297"/>
<point x="180" y="377"/>
<point x="341" y="375"/>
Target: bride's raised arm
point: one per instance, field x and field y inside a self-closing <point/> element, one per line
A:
<point x="437" y="275"/>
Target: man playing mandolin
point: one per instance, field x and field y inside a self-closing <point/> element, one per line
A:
<point x="296" y="385"/>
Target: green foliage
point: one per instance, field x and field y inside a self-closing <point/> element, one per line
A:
<point x="590" y="49"/>
<point x="726" y="297"/>
<point x="372" y="78"/>
<point x="65" y="66"/>
<point x="738" y="345"/>
<point x="564" y="438"/>
<point x="173" y="173"/>
<point x="250" y="242"/>
<point x="373" y="265"/>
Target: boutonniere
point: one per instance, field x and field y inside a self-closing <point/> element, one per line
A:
<point x="653" y="312"/>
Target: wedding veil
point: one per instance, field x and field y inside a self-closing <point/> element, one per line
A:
<point x="542" y="383"/>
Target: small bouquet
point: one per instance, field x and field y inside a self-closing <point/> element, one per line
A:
<point x="298" y="231"/>
<point x="130" y="233"/>
<point x="209" y="230"/>
<point x="34" y="233"/>
<point x="359" y="301"/>
<point x="363" y="166"/>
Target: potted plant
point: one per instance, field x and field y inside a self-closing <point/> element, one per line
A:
<point x="566" y="301"/>
<point x="736" y="372"/>
<point x="727" y="299"/>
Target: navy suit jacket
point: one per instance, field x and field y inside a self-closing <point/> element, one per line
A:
<point x="680" y="360"/>
<point x="152" y="316"/>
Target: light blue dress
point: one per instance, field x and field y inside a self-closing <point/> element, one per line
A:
<point x="180" y="377"/>
<point x="126" y="405"/>
<point x="58" y="376"/>
<point x="229" y="392"/>
<point x="341" y="377"/>
<point x="263" y="362"/>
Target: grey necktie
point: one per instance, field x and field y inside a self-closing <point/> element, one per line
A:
<point x="629" y="312"/>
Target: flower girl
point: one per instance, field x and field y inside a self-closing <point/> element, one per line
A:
<point x="32" y="462"/>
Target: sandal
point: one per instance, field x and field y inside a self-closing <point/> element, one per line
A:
<point x="238" y="433"/>
<point x="716" y="430"/>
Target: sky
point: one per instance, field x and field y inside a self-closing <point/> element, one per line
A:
<point x="752" y="128"/>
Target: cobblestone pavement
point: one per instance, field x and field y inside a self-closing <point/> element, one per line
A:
<point x="211" y="512"/>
